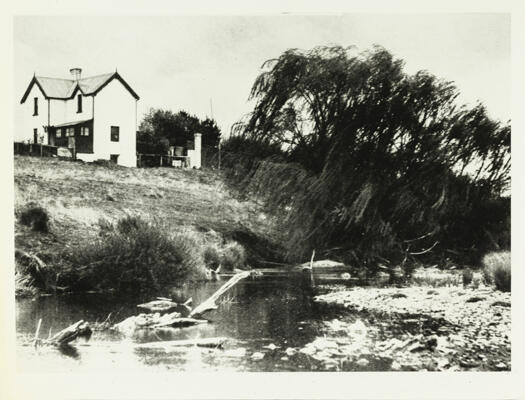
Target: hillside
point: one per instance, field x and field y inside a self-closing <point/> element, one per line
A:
<point x="79" y="197"/>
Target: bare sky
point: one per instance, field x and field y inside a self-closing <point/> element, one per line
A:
<point x="183" y="62"/>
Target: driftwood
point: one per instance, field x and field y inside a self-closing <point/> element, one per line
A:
<point x="65" y="336"/>
<point x="210" y="303"/>
<point x="164" y="304"/>
<point x="206" y="342"/>
<point x="152" y="321"/>
<point x="158" y="305"/>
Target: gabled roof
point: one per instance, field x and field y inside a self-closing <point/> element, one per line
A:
<point x="63" y="89"/>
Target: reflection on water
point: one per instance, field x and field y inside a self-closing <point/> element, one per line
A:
<point x="257" y="316"/>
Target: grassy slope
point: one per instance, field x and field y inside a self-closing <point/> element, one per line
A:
<point x="78" y="195"/>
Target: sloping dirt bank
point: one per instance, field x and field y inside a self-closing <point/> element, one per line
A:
<point x="417" y="328"/>
<point x="79" y="200"/>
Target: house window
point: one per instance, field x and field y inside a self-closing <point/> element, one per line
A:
<point x="70" y="131"/>
<point x="84" y="131"/>
<point x="59" y="132"/>
<point x="115" y="133"/>
<point x="35" y="106"/>
<point x="79" y="103"/>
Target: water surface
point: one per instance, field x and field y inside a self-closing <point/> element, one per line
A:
<point x="259" y="318"/>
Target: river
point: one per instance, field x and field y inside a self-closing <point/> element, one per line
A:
<point x="262" y="319"/>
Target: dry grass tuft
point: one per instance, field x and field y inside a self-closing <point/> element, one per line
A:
<point x="497" y="270"/>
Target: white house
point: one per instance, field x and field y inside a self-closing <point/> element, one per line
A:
<point x="95" y="117"/>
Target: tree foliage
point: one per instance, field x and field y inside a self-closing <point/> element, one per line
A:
<point x="375" y="157"/>
<point x="160" y="129"/>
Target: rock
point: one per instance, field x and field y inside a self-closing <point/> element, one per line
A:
<point x="271" y="346"/>
<point x="469" y="363"/>
<point x="257" y="356"/>
<point x="501" y="366"/>
<point x="443" y="363"/>
<point x="362" y="362"/>
<point x="290" y="351"/>
<point x="475" y="299"/>
<point x="308" y="350"/>
<point x="501" y="304"/>
<point x="395" y="366"/>
<point x="399" y="295"/>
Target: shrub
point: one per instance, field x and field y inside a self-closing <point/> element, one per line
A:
<point x="233" y="256"/>
<point x="468" y="275"/>
<point x="212" y="258"/>
<point x="34" y="216"/>
<point x="135" y="255"/>
<point x="497" y="270"/>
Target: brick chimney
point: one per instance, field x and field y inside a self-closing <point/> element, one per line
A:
<point x="196" y="163"/>
<point x="75" y="73"/>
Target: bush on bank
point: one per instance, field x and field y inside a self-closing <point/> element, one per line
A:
<point x="135" y="254"/>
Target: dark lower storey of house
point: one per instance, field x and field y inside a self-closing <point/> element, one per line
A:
<point x="77" y="136"/>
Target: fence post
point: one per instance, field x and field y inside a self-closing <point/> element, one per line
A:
<point x="41" y="151"/>
<point x="161" y="160"/>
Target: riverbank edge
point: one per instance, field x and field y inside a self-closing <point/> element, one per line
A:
<point x="474" y="326"/>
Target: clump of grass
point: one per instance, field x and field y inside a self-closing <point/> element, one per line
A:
<point x="34" y="216"/>
<point x="467" y="276"/>
<point x="135" y="254"/>
<point x="497" y="270"/>
<point x="212" y="257"/>
<point x="31" y="273"/>
<point x="233" y="257"/>
<point x="434" y="277"/>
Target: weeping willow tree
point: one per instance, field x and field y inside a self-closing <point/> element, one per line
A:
<point x="376" y="164"/>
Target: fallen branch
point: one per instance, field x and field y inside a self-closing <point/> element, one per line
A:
<point x="206" y="342"/>
<point x="65" y="336"/>
<point x="424" y="251"/>
<point x="153" y="321"/>
<point x="210" y="303"/>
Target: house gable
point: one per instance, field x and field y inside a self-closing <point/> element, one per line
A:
<point x="122" y="81"/>
<point x="65" y="89"/>
<point x="33" y="82"/>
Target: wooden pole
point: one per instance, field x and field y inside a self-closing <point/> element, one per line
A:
<point x="219" y="155"/>
<point x="37" y="332"/>
<point x="312" y="268"/>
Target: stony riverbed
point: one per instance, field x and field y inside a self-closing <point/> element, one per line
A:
<point x="416" y="328"/>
